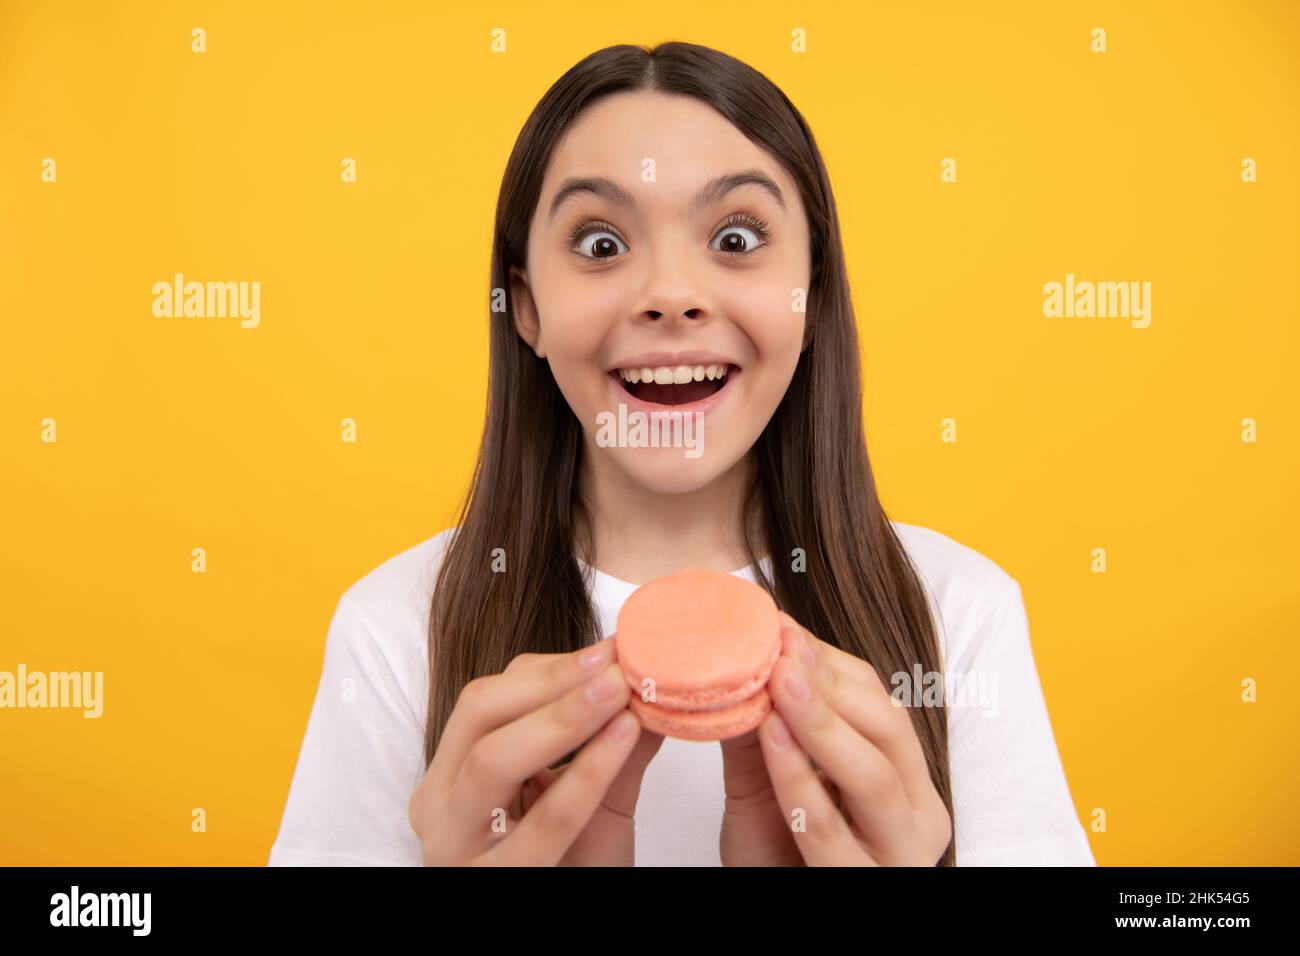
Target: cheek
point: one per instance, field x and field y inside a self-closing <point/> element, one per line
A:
<point x="574" y="321"/>
<point x="767" y="315"/>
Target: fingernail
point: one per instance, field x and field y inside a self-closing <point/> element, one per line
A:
<point x="780" y="735"/>
<point x="593" y="657"/>
<point x="806" y="653"/>
<point x="797" y="686"/>
<point x="621" y="726"/>
<point x="602" y="689"/>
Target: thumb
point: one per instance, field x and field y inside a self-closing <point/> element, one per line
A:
<point x="744" y="770"/>
<point x="626" y="787"/>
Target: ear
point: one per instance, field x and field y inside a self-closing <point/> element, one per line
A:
<point x="527" y="322"/>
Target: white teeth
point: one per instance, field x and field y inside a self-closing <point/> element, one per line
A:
<point x="673" y="374"/>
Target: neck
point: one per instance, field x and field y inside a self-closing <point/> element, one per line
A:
<point x="638" y="534"/>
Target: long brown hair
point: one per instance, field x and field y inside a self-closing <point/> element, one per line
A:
<point x="811" y="485"/>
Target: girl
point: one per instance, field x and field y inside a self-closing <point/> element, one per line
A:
<point x="666" y="240"/>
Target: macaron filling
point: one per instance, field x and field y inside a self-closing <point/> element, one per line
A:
<point x="704" y="698"/>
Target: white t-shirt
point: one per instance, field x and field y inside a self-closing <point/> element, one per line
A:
<point x="362" y="754"/>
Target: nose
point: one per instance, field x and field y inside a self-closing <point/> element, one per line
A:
<point x="670" y="312"/>
<point x="672" y="292"/>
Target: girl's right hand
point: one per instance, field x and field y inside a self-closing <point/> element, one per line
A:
<point x="472" y="808"/>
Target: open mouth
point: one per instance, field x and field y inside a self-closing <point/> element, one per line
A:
<point x="673" y="385"/>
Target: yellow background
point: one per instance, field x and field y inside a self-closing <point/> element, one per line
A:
<point x="1073" y="433"/>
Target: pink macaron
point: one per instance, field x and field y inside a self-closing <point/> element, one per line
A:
<point x="697" y="648"/>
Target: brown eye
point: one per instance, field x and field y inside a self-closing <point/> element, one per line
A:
<point x="596" y="242"/>
<point x="733" y="241"/>
<point x="604" y="247"/>
<point x="738" y="240"/>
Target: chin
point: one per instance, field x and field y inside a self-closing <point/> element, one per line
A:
<point x="668" y="471"/>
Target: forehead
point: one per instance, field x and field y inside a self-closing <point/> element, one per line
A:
<point x="689" y="142"/>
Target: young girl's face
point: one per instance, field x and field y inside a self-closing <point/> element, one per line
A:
<point x="668" y="258"/>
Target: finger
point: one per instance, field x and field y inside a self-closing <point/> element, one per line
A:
<point x="626" y="789"/>
<point x="498" y="763"/>
<point x="553" y="823"/>
<point x="829" y="784"/>
<point x="855" y="691"/>
<point x="751" y="805"/>
<point x="744" y="773"/>
<point x="488" y="703"/>
<point x="818" y="827"/>
<point x="871" y="790"/>
<point x="827" y="652"/>
<point x="534" y="787"/>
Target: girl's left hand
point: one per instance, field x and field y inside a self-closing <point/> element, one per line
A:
<point x="872" y="802"/>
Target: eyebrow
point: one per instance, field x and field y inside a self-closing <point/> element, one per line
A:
<point x="710" y="192"/>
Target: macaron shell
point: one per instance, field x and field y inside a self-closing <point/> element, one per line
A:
<point x="721" y="724"/>
<point x="708" y="639"/>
